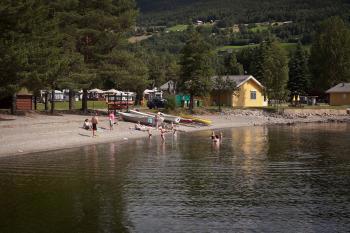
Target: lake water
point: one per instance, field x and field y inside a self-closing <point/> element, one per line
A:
<point x="261" y="179"/>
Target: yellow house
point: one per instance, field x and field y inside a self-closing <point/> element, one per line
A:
<point x="249" y="94"/>
<point x="339" y="94"/>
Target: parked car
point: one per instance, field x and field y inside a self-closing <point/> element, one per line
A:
<point x="156" y="103"/>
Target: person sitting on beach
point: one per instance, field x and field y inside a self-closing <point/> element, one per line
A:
<point x="87" y="124"/>
<point x="140" y="127"/>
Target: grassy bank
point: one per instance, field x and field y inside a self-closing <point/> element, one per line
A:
<point x="64" y="105"/>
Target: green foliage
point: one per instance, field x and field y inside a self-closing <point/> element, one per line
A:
<point x="272" y="69"/>
<point x="299" y="76"/>
<point x="196" y="67"/>
<point x="232" y="67"/>
<point x="223" y="84"/>
<point x="170" y="102"/>
<point x="330" y="54"/>
<point x="169" y="12"/>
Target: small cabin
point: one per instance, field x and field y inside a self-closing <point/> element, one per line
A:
<point x="339" y="94"/>
<point x="250" y="93"/>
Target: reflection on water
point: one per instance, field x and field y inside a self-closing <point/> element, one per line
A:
<point x="261" y="179"/>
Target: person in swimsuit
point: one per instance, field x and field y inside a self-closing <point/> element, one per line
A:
<point x="162" y="131"/>
<point x="94" y="121"/>
<point x="111" y="119"/>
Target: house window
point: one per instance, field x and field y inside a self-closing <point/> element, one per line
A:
<point x="344" y="96"/>
<point x="253" y="95"/>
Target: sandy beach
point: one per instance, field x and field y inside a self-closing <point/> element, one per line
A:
<point x="35" y="132"/>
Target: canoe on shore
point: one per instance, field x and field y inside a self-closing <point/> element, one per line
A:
<point x="130" y="117"/>
<point x="171" y="118"/>
<point x="160" y="121"/>
<point x="198" y="120"/>
<point x="164" y="117"/>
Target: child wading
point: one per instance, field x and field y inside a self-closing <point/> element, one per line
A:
<point x="94" y="121"/>
<point x="111" y="120"/>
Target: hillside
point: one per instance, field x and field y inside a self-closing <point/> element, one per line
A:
<point x="170" y="12"/>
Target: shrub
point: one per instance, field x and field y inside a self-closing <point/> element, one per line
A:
<point x="170" y="102"/>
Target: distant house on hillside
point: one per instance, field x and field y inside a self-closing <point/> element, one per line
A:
<point x="168" y="87"/>
<point x="249" y="94"/>
<point x="339" y="94"/>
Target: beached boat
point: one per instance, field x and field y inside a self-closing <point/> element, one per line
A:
<point x="140" y="113"/>
<point x="163" y="116"/>
<point x="185" y="120"/>
<point x="170" y="118"/>
<point x="198" y="120"/>
<point x="161" y="119"/>
<point x="130" y="117"/>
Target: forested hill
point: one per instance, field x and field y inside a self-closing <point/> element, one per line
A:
<point x="161" y="12"/>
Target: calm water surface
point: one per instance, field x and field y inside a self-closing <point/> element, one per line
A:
<point x="262" y="179"/>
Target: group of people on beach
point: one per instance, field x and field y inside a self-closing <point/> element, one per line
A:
<point x="92" y="125"/>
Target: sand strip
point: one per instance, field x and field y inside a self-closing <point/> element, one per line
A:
<point x="35" y="133"/>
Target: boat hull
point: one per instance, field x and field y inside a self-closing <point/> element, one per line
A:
<point x="130" y="117"/>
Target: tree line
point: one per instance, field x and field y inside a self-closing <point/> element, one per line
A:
<point x="45" y="45"/>
<point x="304" y="73"/>
<point x="77" y="45"/>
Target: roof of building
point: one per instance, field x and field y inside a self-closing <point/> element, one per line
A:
<point x="340" y="88"/>
<point x="168" y="86"/>
<point x="240" y="79"/>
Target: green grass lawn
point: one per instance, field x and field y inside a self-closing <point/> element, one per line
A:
<point x="235" y="47"/>
<point x="287" y="46"/>
<point x="259" y="28"/>
<point x="64" y="105"/>
<point x="178" y="28"/>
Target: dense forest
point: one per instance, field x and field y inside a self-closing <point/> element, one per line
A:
<point x="170" y="12"/>
<point x="79" y="45"/>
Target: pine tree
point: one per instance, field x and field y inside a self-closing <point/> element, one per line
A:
<point x="299" y="77"/>
<point x="99" y="31"/>
<point x="196" y="71"/>
<point x="12" y="49"/>
<point x="232" y="67"/>
<point x="330" y="54"/>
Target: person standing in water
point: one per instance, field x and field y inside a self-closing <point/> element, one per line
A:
<point x="111" y="120"/>
<point x="156" y="120"/>
<point x="94" y="121"/>
<point x="162" y="136"/>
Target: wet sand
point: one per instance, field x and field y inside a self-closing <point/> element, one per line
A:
<point x="35" y="132"/>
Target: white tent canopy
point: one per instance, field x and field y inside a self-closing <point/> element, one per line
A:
<point x="96" y="90"/>
<point x="113" y="91"/>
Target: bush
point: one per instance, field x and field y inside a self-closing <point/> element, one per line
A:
<point x="170" y="103"/>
